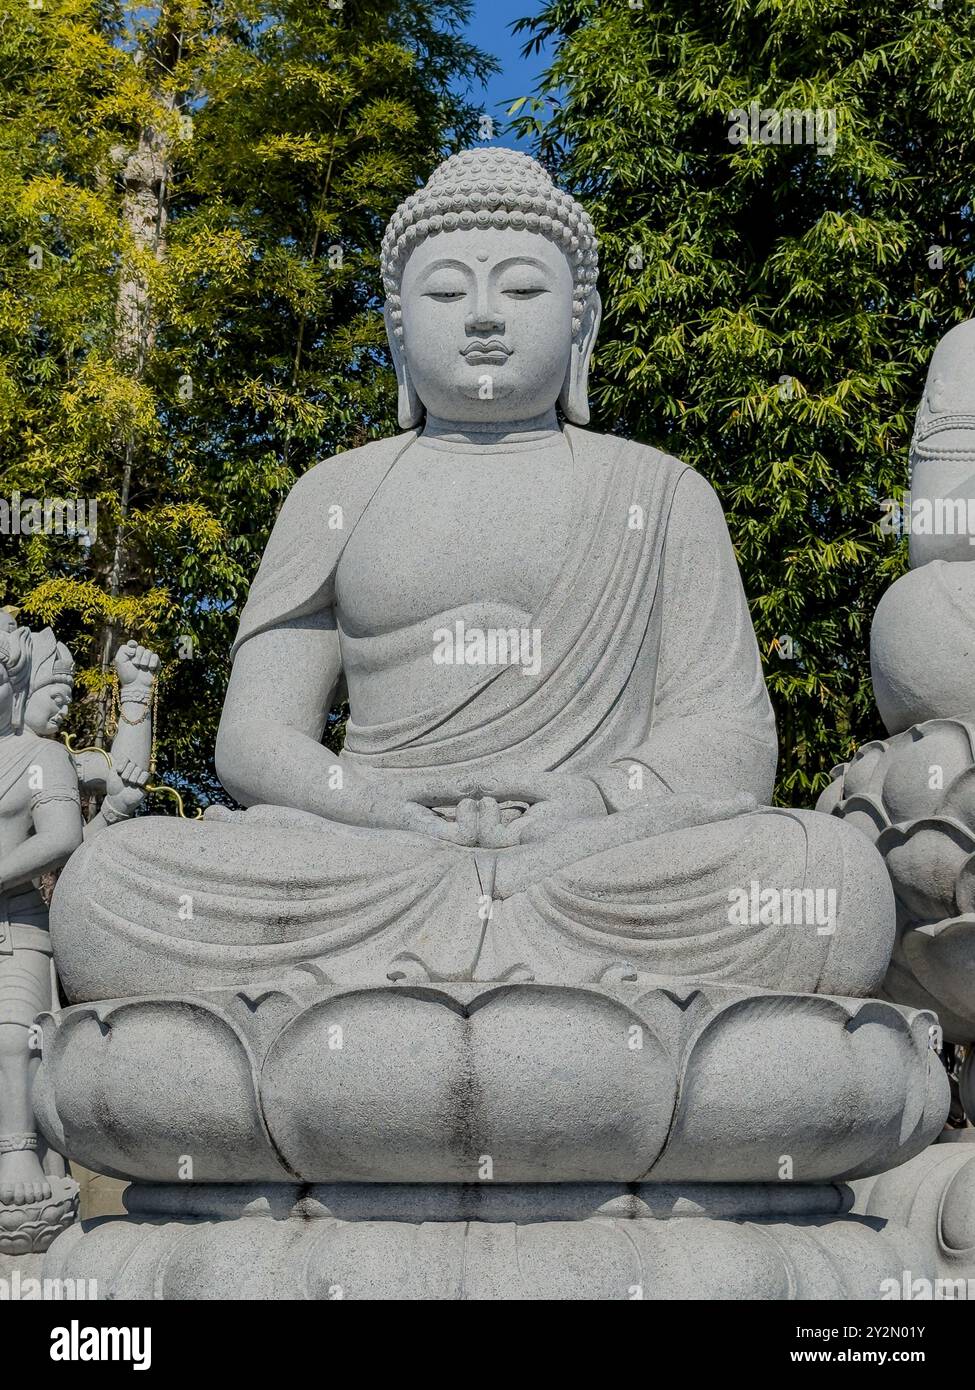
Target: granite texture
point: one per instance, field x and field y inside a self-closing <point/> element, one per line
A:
<point x="529" y="1083"/>
<point x="913" y="793"/>
<point x="531" y="975"/>
<point x="589" y="1242"/>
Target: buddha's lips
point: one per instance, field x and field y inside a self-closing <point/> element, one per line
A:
<point x="493" y="351"/>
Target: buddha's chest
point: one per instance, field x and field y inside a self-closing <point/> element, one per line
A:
<point x="446" y="530"/>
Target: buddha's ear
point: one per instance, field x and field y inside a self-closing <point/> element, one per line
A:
<point x="409" y="407"/>
<point x="574" y="398"/>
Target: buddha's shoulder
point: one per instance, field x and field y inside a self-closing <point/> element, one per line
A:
<point x="645" y="458"/>
<point x="350" y="471"/>
<point x="689" y="492"/>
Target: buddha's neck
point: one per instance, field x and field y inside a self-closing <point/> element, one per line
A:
<point x="492" y="433"/>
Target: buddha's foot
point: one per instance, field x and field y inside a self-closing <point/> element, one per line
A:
<point x="644" y="1079"/>
<point x="22" y="1179"/>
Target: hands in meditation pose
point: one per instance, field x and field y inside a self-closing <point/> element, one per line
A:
<point x="560" y="746"/>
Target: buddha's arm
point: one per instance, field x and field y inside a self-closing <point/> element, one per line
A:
<point x="712" y="731"/>
<point x="269" y="748"/>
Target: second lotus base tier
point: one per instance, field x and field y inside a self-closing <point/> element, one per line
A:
<point x="909" y="1234"/>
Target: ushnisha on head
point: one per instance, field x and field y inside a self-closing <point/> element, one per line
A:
<point x="51" y="684"/>
<point x="491" y="303"/>
<point x="15" y="666"/>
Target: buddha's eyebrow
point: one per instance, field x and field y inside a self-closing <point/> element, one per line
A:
<point x="444" y="264"/>
<point x="520" y="260"/>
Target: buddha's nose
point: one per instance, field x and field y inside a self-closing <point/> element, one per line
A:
<point x="485" y="318"/>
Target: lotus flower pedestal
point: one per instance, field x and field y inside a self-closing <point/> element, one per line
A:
<point x="657" y="1140"/>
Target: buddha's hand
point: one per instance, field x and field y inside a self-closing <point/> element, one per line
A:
<point x="554" y="801"/>
<point x="488" y="814"/>
<point x="395" y="812"/>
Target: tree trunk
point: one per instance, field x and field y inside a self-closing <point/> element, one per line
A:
<point x="145" y="206"/>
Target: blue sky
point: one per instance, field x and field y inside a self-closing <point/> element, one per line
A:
<point x="490" y="29"/>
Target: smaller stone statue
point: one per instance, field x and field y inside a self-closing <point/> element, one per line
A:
<point x="41" y="783"/>
<point x="913" y="792"/>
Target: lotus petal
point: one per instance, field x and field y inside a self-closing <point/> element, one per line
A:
<point x="924" y="860"/>
<point x="921" y="764"/>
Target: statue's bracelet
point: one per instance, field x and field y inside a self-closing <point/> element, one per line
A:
<point x="111" y="815"/>
<point x="17" y="1143"/>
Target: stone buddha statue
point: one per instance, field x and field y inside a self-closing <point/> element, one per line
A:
<point x="560" y="749"/>
<point x="528" y="992"/>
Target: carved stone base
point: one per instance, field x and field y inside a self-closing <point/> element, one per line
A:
<point x="30" y="1228"/>
<point x="532" y="1241"/>
<point x="651" y="1079"/>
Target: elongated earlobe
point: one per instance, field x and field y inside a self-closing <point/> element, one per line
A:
<point x="409" y="407"/>
<point x="574" y="397"/>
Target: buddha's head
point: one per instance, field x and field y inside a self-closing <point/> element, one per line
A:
<point x="51" y="685"/>
<point x="491" y="303"/>
<point x="15" y="665"/>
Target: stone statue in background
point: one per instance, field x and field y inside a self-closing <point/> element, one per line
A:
<point x="529" y="992"/>
<point x="117" y="780"/>
<point x="40" y="825"/>
<point x="913" y="793"/>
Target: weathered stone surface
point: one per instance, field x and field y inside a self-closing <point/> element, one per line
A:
<point x="933" y="1195"/>
<point x="528" y="1082"/>
<point x="913" y="793"/>
<point x="537" y="923"/>
<point x="505" y="1243"/>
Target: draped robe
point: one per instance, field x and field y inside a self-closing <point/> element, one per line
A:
<point x="648" y="661"/>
